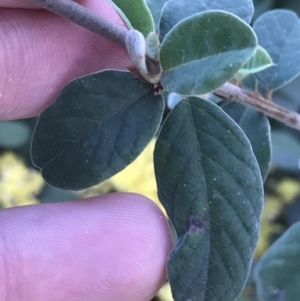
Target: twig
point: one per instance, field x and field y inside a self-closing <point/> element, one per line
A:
<point x="93" y="22"/>
<point x="269" y="95"/>
<point x="232" y="92"/>
<point x="85" y="18"/>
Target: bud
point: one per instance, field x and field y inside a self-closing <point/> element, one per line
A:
<point x="152" y="45"/>
<point x="136" y="47"/>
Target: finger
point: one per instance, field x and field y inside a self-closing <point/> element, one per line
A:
<point x="42" y="52"/>
<point x="23" y="3"/>
<point x="107" y="248"/>
<point x="18" y="4"/>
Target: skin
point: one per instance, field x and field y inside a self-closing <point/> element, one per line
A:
<point x="112" y="247"/>
<point x="41" y="52"/>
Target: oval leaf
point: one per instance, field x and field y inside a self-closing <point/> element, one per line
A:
<point x="256" y="126"/>
<point x="155" y="7"/>
<point x="177" y="10"/>
<point x="277" y="272"/>
<point x="258" y="62"/>
<point x="250" y="83"/>
<point x="136" y="14"/>
<point x="285" y="150"/>
<point x="278" y="32"/>
<point x="210" y="185"/>
<point x="217" y="46"/>
<point x="99" y="124"/>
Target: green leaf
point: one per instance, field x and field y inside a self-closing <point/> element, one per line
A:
<point x="210" y="185"/>
<point x="152" y="46"/>
<point x="155" y="7"/>
<point x="14" y="134"/>
<point x="193" y="245"/>
<point x="278" y="32"/>
<point x="217" y="46"/>
<point x="177" y="10"/>
<point x="285" y="150"/>
<point x="52" y="194"/>
<point x="99" y="124"/>
<point x="261" y="6"/>
<point x="136" y="15"/>
<point x="277" y="272"/>
<point x="250" y="83"/>
<point x="256" y="126"/>
<point x="258" y="62"/>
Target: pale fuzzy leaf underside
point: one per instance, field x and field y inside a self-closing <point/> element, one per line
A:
<point x="217" y="45"/>
<point x="260" y="61"/>
<point x="278" y="32"/>
<point x="176" y="10"/>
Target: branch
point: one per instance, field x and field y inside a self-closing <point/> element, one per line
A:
<point x="93" y="22"/>
<point x="85" y="18"/>
<point x="232" y="92"/>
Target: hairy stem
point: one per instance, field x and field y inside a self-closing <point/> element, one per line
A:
<point x="85" y="18"/>
<point x="234" y="93"/>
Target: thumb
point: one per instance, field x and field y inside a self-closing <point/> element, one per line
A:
<point x="42" y="52"/>
<point x="108" y="248"/>
<point x="18" y="4"/>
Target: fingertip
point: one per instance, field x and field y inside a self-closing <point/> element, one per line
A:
<point x="18" y="4"/>
<point x="114" y="247"/>
<point x="43" y="52"/>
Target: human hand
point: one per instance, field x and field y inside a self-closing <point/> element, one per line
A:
<point x="112" y="247"/>
<point x="41" y="52"/>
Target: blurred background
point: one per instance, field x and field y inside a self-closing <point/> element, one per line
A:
<point x="22" y="184"/>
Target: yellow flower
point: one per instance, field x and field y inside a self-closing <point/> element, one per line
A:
<point x="18" y="184"/>
<point x="165" y="293"/>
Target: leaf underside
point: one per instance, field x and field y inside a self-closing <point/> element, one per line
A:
<point x="258" y="62"/>
<point x="278" y="32"/>
<point x="177" y="10"/>
<point x="155" y="7"/>
<point x="217" y="46"/>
